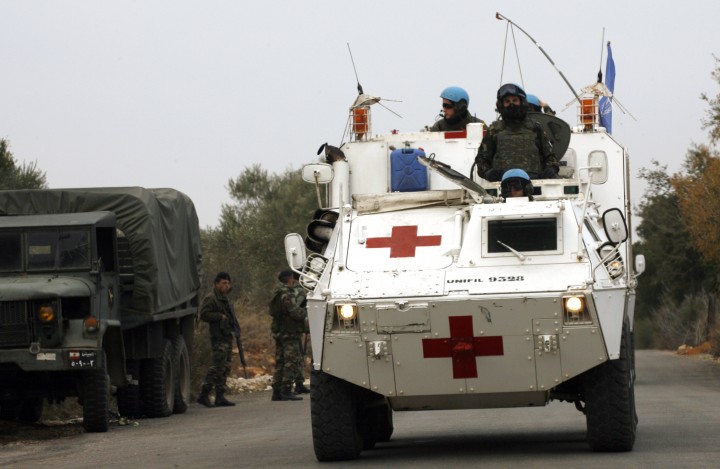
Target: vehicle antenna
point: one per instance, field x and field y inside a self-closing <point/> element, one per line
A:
<point x="501" y="17"/>
<point x="602" y="49"/>
<point x="359" y="87"/>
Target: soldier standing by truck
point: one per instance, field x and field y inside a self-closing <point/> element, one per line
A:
<point x="288" y="324"/>
<point x="216" y="311"/>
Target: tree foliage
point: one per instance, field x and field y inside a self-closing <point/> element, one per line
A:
<point x="680" y="233"/>
<point x="249" y="242"/>
<point x="712" y="121"/>
<point x="674" y="267"/>
<point x="698" y="194"/>
<point x="14" y="176"/>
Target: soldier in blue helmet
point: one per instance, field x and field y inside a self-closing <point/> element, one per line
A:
<point x="538" y="105"/>
<point x="516" y="183"/>
<point x="455" y="114"/>
<point x="515" y="140"/>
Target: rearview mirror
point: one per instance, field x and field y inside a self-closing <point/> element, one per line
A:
<point x="614" y="224"/>
<point x="295" y="251"/>
<point x="320" y="173"/>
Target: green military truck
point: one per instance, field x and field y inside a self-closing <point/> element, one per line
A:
<point x="98" y="292"/>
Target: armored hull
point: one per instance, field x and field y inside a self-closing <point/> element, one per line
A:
<point x="439" y="294"/>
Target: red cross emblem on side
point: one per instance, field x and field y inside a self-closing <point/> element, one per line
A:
<point x="403" y="241"/>
<point x="463" y="347"/>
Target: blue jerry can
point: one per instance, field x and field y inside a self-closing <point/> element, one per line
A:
<point x="407" y="174"/>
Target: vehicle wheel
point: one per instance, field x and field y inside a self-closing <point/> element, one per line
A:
<point x="609" y="393"/>
<point x="96" y="401"/>
<point x="9" y="410"/>
<point x="380" y="419"/>
<point x="128" y="397"/>
<point x="31" y="410"/>
<point x="181" y="362"/>
<point x="334" y="416"/>
<point x="157" y="383"/>
<point x="376" y="424"/>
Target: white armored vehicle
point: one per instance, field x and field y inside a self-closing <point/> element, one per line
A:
<point x="426" y="290"/>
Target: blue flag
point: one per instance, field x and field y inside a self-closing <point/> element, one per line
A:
<point x="605" y="102"/>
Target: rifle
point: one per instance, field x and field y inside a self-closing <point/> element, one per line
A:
<point x="238" y="339"/>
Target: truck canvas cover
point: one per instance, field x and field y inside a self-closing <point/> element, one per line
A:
<point x="161" y="227"/>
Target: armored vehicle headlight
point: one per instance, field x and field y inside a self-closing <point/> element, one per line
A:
<point x="612" y="260"/>
<point x="574" y="304"/>
<point x="46" y="313"/>
<point x="347" y="311"/>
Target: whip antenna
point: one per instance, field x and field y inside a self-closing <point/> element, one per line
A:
<point x="359" y="87"/>
<point x="501" y="17"/>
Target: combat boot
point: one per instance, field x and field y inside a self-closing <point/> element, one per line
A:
<point x="220" y="400"/>
<point x="301" y="389"/>
<point x="276" y="396"/>
<point x="288" y="396"/>
<point x="204" y="397"/>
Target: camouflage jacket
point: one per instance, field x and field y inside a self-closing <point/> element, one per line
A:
<point x="291" y="320"/>
<point x="521" y="145"/>
<point x="215" y="310"/>
<point x="443" y="125"/>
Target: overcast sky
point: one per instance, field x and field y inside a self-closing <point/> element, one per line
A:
<point x="187" y="94"/>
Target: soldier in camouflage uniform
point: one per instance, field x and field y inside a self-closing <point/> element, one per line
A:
<point x="455" y="114"/>
<point x="515" y="141"/>
<point x="298" y="376"/>
<point x="215" y="310"/>
<point x="289" y="316"/>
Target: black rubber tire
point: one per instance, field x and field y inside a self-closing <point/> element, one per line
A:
<point x="157" y="383"/>
<point x="375" y="415"/>
<point x="31" y="410"/>
<point x="9" y="410"/>
<point x="380" y="419"/>
<point x="96" y="401"/>
<point x="128" y="397"/>
<point x="334" y="416"/>
<point x="181" y="360"/>
<point x="609" y="394"/>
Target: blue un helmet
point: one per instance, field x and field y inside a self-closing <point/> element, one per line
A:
<point x="534" y="102"/>
<point x="516" y="179"/>
<point x="455" y="94"/>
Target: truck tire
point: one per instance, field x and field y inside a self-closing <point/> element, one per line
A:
<point x="96" y="401"/>
<point x="157" y="383"/>
<point x="609" y="393"/>
<point x="9" y="410"/>
<point x="128" y="397"/>
<point x="31" y="410"/>
<point x="181" y="360"/>
<point x="381" y="420"/>
<point x="334" y="417"/>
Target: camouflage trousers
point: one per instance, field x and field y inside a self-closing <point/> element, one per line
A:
<point x="289" y="363"/>
<point x="220" y="368"/>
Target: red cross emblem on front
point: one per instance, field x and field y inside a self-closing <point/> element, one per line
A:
<point x="403" y="241"/>
<point x="463" y="347"/>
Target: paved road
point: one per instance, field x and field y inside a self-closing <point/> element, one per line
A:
<point x="677" y="400"/>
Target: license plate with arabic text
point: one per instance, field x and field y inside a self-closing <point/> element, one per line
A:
<point x="82" y="358"/>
